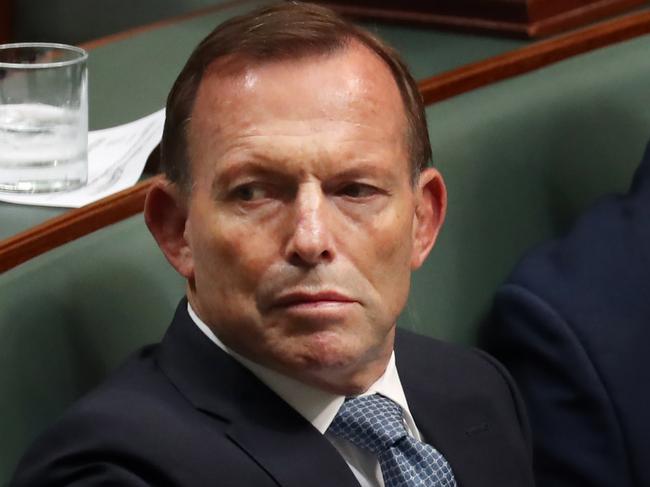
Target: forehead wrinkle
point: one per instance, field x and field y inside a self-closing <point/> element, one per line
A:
<point x="307" y="148"/>
<point x="271" y="137"/>
<point x="286" y="130"/>
<point x="283" y="155"/>
<point x="229" y="172"/>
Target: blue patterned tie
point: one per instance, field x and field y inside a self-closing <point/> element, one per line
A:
<point x="375" y="423"/>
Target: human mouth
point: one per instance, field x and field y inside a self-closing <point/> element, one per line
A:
<point x="312" y="300"/>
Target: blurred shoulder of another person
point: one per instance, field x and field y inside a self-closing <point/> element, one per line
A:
<point x="572" y="325"/>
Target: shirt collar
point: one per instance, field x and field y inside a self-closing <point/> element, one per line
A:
<point x="315" y="405"/>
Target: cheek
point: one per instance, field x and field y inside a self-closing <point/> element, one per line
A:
<point x="391" y="239"/>
<point x="384" y="257"/>
<point x="394" y="275"/>
<point x="231" y="255"/>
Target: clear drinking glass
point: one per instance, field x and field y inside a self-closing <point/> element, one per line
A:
<point x="43" y="117"/>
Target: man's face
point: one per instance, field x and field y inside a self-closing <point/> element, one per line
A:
<point x="302" y="215"/>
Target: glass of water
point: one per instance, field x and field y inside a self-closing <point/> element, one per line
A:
<point x="43" y="117"/>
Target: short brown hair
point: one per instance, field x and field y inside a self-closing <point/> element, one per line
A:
<point x="287" y="30"/>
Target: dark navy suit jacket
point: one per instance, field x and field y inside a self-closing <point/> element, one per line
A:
<point x="572" y="324"/>
<point x="184" y="413"/>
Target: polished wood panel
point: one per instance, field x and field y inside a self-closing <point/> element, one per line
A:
<point x="534" y="56"/>
<point x="73" y="224"/>
<point x="77" y="223"/>
<point x="6" y="17"/>
<point x="518" y="18"/>
<point x="580" y="16"/>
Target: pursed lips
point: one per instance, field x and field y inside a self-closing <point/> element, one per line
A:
<point x="311" y="300"/>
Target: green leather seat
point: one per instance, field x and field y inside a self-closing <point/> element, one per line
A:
<point x="70" y="316"/>
<point x="522" y="159"/>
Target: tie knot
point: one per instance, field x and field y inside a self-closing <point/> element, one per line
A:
<point x="370" y="422"/>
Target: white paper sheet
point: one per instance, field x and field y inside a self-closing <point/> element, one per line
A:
<point x="116" y="159"/>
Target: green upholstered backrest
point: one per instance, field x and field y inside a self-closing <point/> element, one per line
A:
<point x="70" y="316"/>
<point x="522" y="159"/>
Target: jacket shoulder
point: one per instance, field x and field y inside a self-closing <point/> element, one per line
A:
<point x="134" y="429"/>
<point x="445" y="359"/>
<point x="467" y="404"/>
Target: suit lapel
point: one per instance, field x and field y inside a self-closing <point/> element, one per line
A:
<point x="292" y="451"/>
<point x="279" y="439"/>
<point x="445" y="423"/>
<point x="437" y="429"/>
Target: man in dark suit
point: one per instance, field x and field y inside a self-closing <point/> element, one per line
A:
<point x="297" y="201"/>
<point x="572" y="324"/>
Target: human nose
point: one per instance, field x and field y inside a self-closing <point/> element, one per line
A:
<point x="310" y="242"/>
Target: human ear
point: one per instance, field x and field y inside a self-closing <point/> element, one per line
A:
<point x="430" y="210"/>
<point x="165" y="213"/>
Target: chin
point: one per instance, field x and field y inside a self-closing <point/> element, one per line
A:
<point x="336" y="362"/>
<point x="321" y="349"/>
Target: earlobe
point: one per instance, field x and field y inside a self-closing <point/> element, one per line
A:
<point x="165" y="213"/>
<point x="430" y="210"/>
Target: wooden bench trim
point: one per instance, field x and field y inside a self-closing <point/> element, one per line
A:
<point x="532" y="57"/>
<point x="468" y="18"/>
<point x="72" y="225"/>
<point x="79" y="222"/>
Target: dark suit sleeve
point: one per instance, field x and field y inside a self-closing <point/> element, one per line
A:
<point x="68" y="456"/>
<point x="577" y="438"/>
<point x="102" y="442"/>
<point x="516" y="399"/>
<point x="93" y="474"/>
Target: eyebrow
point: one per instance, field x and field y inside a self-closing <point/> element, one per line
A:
<point x="270" y="168"/>
<point x="254" y="165"/>
<point x="361" y="169"/>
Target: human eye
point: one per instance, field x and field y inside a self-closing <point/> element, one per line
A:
<point x="358" y="190"/>
<point x="250" y="192"/>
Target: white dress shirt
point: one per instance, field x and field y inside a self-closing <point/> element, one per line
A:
<point x="320" y="407"/>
